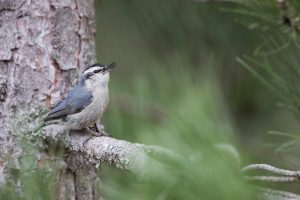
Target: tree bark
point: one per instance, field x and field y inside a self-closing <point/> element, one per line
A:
<point x="44" y="44"/>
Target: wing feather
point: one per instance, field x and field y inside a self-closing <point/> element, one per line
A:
<point x="75" y="102"/>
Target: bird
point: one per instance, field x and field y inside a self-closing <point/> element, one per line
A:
<point x="86" y="103"/>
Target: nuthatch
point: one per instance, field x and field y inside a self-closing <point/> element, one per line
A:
<point x="86" y="103"/>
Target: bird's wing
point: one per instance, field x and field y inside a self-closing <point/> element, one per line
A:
<point x="77" y="100"/>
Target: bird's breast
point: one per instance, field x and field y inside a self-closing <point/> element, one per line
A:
<point x="94" y="111"/>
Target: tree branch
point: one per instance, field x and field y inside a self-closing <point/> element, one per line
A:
<point x="142" y="160"/>
<point x="272" y="169"/>
<point x="275" y="179"/>
<point x="288" y="19"/>
<point x="285" y="176"/>
<point x="134" y="157"/>
<point x="270" y="194"/>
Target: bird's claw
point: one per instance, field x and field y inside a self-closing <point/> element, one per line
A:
<point x="99" y="133"/>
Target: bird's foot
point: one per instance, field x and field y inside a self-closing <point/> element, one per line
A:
<point x="100" y="128"/>
<point x="98" y="133"/>
<point x="93" y="133"/>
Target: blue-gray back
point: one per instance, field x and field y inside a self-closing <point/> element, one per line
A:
<point x="77" y="100"/>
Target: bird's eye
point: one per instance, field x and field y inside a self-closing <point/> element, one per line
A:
<point x="97" y="71"/>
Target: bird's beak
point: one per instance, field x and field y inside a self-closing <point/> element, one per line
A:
<point x="109" y="67"/>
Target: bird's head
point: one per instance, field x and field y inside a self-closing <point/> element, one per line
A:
<point x="97" y="75"/>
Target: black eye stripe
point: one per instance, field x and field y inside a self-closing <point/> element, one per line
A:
<point x="88" y="75"/>
<point x="97" y="71"/>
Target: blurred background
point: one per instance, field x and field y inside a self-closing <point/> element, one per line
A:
<point x="215" y="81"/>
<point x="166" y="48"/>
<point x="179" y="84"/>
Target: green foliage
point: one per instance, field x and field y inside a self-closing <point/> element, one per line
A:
<point x="274" y="60"/>
<point x="196" y="122"/>
<point x="170" y="44"/>
<point x="275" y="63"/>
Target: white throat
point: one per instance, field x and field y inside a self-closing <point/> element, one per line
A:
<point x="99" y="81"/>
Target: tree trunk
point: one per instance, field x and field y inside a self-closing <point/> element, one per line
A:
<point x="44" y="44"/>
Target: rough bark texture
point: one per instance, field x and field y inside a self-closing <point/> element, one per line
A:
<point x="133" y="157"/>
<point x="44" y="44"/>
